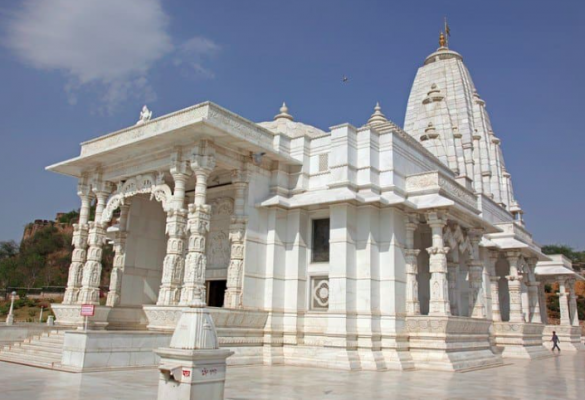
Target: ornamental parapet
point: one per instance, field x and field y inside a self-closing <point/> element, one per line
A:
<point x="435" y="182"/>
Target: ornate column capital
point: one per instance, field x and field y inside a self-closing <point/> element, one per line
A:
<point x="436" y="219"/>
<point x="203" y="158"/>
<point x="179" y="166"/>
<point x="84" y="186"/>
<point x="438" y="250"/>
<point x="240" y="176"/>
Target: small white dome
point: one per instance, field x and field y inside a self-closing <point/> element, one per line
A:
<point x="284" y="124"/>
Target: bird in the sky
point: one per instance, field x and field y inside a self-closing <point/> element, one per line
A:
<point x="345" y="79"/>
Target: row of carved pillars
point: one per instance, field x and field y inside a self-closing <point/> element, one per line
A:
<point x="443" y="281"/>
<point x="444" y="271"/>
<point x="88" y="240"/>
<point x="521" y="279"/>
<point x="183" y="278"/>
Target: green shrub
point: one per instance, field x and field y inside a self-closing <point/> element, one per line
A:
<point x="32" y="313"/>
<point x="19" y="303"/>
<point x="4" y="309"/>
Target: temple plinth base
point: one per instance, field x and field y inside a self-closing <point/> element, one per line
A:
<point x="569" y="336"/>
<point x="520" y="340"/>
<point x="449" y="343"/>
<point x="70" y="315"/>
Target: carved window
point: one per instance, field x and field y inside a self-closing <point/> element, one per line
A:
<point x="320" y="247"/>
<point x="320" y="293"/>
<point x="323" y="162"/>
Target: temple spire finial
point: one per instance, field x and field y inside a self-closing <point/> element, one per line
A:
<point x="377" y="117"/>
<point x="283" y="113"/>
<point x="442" y="41"/>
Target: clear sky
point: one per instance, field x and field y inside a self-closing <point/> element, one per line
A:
<point x="73" y="70"/>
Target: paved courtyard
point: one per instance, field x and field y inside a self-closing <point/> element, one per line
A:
<point x="560" y="377"/>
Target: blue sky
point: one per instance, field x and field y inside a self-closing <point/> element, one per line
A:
<point x="73" y="70"/>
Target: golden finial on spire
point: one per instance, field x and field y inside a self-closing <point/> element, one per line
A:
<point x="442" y="41"/>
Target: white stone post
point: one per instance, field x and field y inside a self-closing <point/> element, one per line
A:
<point x="533" y="293"/>
<point x="92" y="271"/>
<point x="439" y="299"/>
<point x="119" y="257"/>
<point x="476" y="277"/>
<point x="193" y="366"/>
<point x="193" y="292"/>
<point x="494" y="286"/>
<point x="176" y="227"/>
<point x="533" y="289"/>
<point x="233" y="294"/>
<point x="80" y="235"/>
<point x="412" y="302"/>
<point x="514" y="287"/>
<point x="542" y="302"/>
<point x="564" y="303"/>
<point x="10" y="317"/>
<point x="573" y="303"/>
<point x="452" y="274"/>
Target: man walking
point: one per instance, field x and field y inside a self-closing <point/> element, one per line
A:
<point x="556" y="341"/>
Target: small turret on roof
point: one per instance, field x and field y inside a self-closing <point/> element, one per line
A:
<point x="377" y="117"/>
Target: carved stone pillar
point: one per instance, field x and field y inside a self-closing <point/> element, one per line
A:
<point x="534" y="300"/>
<point x="574" y="313"/>
<point x="494" y="286"/>
<point x="514" y="287"/>
<point x="119" y="258"/>
<point x="193" y="292"/>
<point x="80" y="235"/>
<point x="476" y="277"/>
<point x="564" y="303"/>
<point x="542" y="302"/>
<point x="92" y="271"/>
<point x="410" y="255"/>
<point x="233" y="294"/>
<point x="439" y="299"/>
<point x="452" y="274"/>
<point x="174" y="263"/>
<point x="533" y="287"/>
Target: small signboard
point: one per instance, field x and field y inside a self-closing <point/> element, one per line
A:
<point x="87" y="310"/>
<point x="186" y="373"/>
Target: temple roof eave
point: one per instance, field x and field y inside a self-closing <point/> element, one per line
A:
<point x="205" y="121"/>
<point x="556" y="272"/>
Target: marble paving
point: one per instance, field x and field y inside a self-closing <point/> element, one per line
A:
<point x="560" y="377"/>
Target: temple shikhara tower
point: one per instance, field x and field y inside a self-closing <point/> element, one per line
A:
<point x="373" y="247"/>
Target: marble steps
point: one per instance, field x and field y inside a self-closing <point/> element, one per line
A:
<point x="45" y="351"/>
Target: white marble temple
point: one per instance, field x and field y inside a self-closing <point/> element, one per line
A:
<point x="358" y="248"/>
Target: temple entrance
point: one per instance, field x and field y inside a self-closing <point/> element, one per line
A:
<point x="215" y="292"/>
<point x="145" y="252"/>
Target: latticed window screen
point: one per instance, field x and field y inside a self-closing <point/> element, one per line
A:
<point x="323" y="162"/>
<point x="320" y="293"/>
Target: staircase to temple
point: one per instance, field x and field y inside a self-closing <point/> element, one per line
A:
<point x="44" y="351"/>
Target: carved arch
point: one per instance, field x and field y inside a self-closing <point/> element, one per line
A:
<point x="140" y="184"/>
